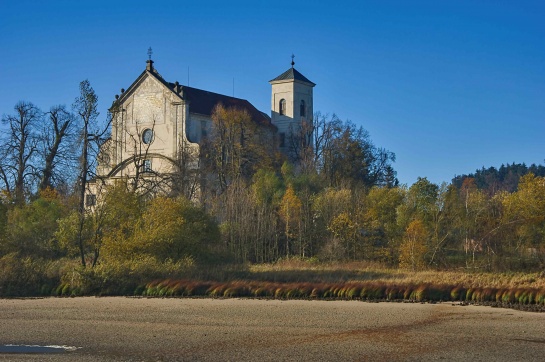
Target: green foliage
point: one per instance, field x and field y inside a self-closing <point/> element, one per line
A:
<point x="120" y="277"/>
<point x="3" y="223"/>
<point x="267" y="187"/>
<point x="67" y="233"/>
<point x="168" y="229"/>
<point x="379" y="220"/>
<point x="28" y="276"/>
<point x="420" y="202"/>
<point x="31" y="228"/>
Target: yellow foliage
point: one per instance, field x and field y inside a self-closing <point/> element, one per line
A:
<point x="525" y="210"/>
<point x="290" y="211"/>
<point x="413" y="248"/>
<point x="290" y="206"/>
<point x="49" y="194"/>
<point x="331" y="202"/>
<point x="343" y="227"/>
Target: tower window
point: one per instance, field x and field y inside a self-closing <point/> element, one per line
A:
<point x="302" y="109"/>
<point x="282" y="107"/>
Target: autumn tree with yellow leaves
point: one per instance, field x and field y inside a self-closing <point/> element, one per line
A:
<point x="290" y="212"/>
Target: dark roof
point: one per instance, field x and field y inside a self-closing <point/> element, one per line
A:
<point x="203" y="102"/>
<point x="292" y="74"/>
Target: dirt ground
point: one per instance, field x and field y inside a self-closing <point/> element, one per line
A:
<point x="131" y="329"/>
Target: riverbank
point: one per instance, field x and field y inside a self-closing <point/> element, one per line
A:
<point x="267" y="330"/>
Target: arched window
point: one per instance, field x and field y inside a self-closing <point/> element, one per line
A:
<point x="302" y="109"/>
<point x="282" y="107"/>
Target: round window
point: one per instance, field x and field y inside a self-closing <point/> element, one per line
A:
<point x="147" y="136"/>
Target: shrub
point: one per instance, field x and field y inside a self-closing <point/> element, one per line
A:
<point x="317" y="292"/>
<point x="393" y="293"/>
<point x="376" y="291"/>
<point x="353" y="292"/>
<point x="508" y="296"/>
<point x="27" y="276"/>
<point x="458" y="293"/>
<point x="279" y="293"/>
<point x="438" y="293"/>
<point x="259" y="292"/>
<point x="488" y="295"/>
<point x="216" y="290"/>
<point x="186" y="231"/>
<point x="540" y="297"/>
<point x="408" y="290"/>
<point x="123" y="277"/>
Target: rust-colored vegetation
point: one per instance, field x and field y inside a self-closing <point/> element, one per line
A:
<point x="365" y="291"/>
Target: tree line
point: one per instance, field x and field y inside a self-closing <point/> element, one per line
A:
<point x="332" y="196"/>
<point x="504" y="178"/>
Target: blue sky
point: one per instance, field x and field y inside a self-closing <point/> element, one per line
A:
<point x="448" y="86"/>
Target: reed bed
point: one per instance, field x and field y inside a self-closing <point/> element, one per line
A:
<point x="366" y="291"/>
<point x="367" y="281"/>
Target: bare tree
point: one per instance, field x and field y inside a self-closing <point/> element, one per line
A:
<point x="92" y="135"/>
<point x="236" y="147"/>
<point x="19" y="149"/>
<point x="186" y="178"/>
<point x="57" y="145"/>
<point x="301" y="150"/>
<point x="342" y="152"/>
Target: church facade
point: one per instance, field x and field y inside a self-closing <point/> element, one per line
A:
<point x="155" y="123"/>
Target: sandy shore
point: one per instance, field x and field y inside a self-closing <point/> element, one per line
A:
<point x="132" y="329"/>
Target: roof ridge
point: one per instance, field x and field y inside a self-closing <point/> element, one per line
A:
<point x="207" y="91"/>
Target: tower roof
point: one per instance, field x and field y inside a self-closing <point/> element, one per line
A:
<point x="292" y="74"/>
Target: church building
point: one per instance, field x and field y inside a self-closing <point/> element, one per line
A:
<point x="154" y="121"/>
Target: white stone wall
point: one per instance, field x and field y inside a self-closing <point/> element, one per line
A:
<point x="152" y="106"/>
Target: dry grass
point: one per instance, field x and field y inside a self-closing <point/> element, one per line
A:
<point x="296" y="279"/>
<point x="300" y="270"/>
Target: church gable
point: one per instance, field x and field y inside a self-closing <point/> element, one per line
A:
<point x="147" y="122"/>
<point x="147" y="103"/>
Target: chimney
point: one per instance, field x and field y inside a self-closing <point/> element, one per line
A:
<point x="149" y="65"/>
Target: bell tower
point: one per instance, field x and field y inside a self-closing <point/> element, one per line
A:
<point x="291" y="104"/>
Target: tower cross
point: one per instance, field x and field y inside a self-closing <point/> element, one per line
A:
<point x="292" y="61"/>
<point x="150" y="52"/>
